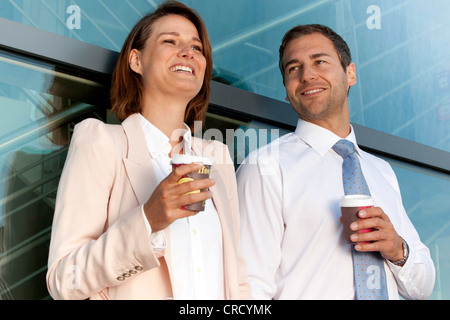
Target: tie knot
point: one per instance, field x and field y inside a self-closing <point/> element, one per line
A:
<point x="344" y="148"/>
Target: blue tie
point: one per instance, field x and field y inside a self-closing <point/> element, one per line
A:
<point x="368" y="267"/>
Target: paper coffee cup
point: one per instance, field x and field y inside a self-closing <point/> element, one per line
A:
<point x="350" y="206"/>
<point x="202" y="173"/>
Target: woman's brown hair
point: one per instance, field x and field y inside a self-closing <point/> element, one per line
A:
<point x="127" y="86"/>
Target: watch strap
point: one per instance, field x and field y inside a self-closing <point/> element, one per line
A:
<point x="405" y="254"/>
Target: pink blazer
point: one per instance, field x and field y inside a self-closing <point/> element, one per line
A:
<point x="100" y="248"/>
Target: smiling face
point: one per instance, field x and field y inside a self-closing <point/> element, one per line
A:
<point x="316" y="83"/>
<point x="172" y="63"/>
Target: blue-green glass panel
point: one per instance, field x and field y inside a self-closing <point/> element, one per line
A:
<point x="40" y="106"/>
<point x="425" y="195"/>
<point x="401" y="49"/>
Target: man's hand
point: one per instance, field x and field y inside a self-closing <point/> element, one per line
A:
<point x="383" y="237"/>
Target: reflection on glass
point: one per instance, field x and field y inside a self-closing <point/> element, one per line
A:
<point x="400" y="48"/>
<point x="40" y="106"/>
<point x="426" y="199"/>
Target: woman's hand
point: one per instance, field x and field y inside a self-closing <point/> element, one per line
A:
<point x="165" y="203"/>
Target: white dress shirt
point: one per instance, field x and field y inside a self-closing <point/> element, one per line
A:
<point x="196" y="241"/>
<point x="290" y="231"/>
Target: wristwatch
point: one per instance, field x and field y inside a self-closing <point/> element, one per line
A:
<point x="405" y="254"/>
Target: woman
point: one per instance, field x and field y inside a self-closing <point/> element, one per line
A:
<point x="119" y="231"/>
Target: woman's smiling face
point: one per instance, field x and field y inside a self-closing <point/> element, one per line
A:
<point x="172" y="61"/>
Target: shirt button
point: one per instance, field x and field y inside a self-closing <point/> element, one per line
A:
<point x="121" y="278"/>
<point x="198" y="270"/>
<point x="194" y="232"/>
<point x="126" y="275"/>
<point x="132" y="272"/>
<point x="167" y="148"/>
<point x="138" y="268"/>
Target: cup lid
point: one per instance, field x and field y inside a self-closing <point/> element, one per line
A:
<point x="186" y="159"/>
<point x="356" y="200"/>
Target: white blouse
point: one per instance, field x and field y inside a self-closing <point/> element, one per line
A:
<point x="195" y="242"/>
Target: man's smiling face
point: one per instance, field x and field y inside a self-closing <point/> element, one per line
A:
<point x="316" y="83"/>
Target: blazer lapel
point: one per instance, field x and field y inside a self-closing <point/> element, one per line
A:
<point x="138" y="165"/>
<point x="140" y="171"/>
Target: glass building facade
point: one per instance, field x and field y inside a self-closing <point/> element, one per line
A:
<point x="56" y="58"/>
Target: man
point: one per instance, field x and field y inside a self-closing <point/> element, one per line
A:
<point x="290" y="190"/>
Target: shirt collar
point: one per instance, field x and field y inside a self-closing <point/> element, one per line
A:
<point x="158" y="143"/>
<point x="319" y="138"/>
